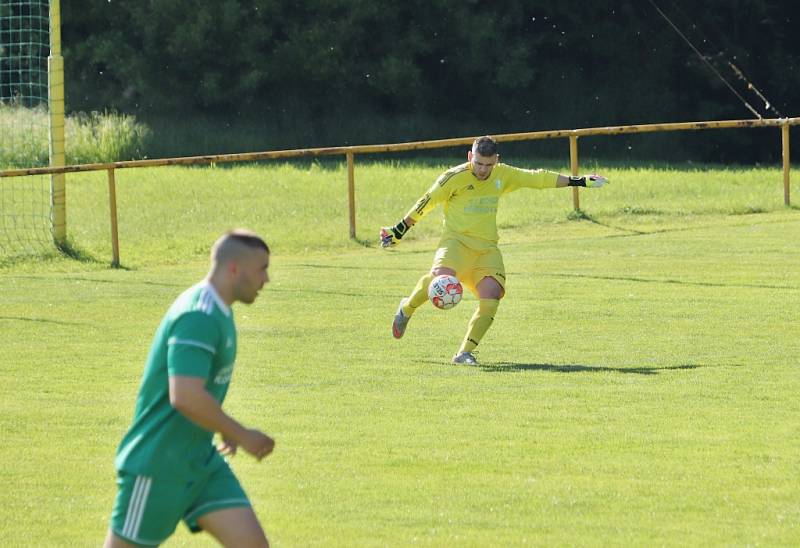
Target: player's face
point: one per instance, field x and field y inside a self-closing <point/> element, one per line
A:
<point x="481" y="165"/>
<point x="252" y="276"/>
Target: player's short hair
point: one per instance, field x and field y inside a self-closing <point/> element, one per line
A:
<point x="234" y="243"/>
<point x="485" y="146"/>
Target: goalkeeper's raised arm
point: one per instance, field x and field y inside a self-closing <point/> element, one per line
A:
<point x="589" y="181"/>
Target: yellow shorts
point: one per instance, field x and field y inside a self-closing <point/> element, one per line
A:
<point x="471" y="265"/>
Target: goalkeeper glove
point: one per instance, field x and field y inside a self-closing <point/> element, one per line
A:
<point x="391" y="235"/>
<point x="589" y="181"/>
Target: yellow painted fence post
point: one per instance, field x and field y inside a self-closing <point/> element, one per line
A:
<point x="786" y="162"/>
<point x="112" y="210"/>
<point x="573" y="166"/>
<point x="351" y="192"/>
<point x="55" y="87"/>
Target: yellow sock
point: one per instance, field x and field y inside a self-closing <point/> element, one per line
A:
<point x="480" y="323"/>
<point x="419" y="295"/>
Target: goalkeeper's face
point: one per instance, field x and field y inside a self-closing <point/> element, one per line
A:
<point x="482" y="165"/>
<point x="252" y="275"/>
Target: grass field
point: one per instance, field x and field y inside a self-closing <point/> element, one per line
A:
<point x="639" y="386"/>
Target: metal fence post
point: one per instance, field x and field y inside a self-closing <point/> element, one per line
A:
<point x="573" y="166"/>
<point x="786" y="162"/>
<point x="112" y="209"/>
<point x="351" y="192"/>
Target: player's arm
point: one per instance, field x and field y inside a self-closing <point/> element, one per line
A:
<point x="588" y="181"/>
<point x="438" y="193"/>
<point x="190" y="352"/>
<point x="189" y="397"/>
<point x="391" y="235"/>
<point x="540" y="178"/>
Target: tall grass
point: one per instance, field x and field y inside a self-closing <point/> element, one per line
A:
<point x="90" y="137"/>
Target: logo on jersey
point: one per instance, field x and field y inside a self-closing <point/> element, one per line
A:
<point x="224" y="375"/>
<point x="229" y="343"/>
<point x="482" y="205"/>
<point x="498" y="183"/>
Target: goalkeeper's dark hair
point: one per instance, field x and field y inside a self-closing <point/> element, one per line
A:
<point x="485" y="146"/>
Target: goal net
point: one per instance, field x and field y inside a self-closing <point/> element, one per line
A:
<point x="25" y="202"/>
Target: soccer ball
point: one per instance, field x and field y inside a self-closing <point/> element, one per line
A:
<point x="445" y="292"/>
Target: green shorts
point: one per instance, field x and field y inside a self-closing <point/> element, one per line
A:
<point x="471" y="265"/>
<point x="147" y="510"/>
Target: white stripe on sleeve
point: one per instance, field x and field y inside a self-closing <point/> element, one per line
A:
<point x="190" y="342"/>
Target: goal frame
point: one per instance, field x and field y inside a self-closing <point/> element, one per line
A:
<point x="55" y="105"/>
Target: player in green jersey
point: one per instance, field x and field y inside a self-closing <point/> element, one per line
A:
<point x="469" y="195"/>
<point x="168" y="469"/>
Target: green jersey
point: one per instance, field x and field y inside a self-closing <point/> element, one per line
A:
<point x="470" y="205"/>
<point x="196" y="338"/>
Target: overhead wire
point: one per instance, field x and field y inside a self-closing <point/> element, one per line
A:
<point x="735" y="69"/>
<point x="713" y="69"/>
<point x="754" y="89"/>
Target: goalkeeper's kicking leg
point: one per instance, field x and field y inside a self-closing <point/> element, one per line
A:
<point x="489" y="292"/>
<point x="417" y="298"/>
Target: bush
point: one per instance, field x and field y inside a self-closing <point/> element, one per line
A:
<point x="90" y="138"/>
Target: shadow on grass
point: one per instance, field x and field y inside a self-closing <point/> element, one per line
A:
<point x="670" y="281"/>
<point x="68" y="250"/>
<point x="123" y="281"/>
<point x="69" y="278"/>
<point x="38" y="320"/>
<point x="513" y="367"/>
<point x="580" y="215"/>
<point x="320" y="266"/>
<point x="366" y="242"/>
<point x="303" y="291"/>
<point x="71" y="250"/>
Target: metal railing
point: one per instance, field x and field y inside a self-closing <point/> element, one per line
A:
<point x="350" y="152"/>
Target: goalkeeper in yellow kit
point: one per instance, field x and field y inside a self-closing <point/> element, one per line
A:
<point x="469" y="194"/>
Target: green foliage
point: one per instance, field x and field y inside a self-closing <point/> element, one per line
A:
<point x="341" y="71"/>
<point x="90" y="138"/>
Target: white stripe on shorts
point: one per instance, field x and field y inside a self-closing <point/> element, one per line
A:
<point x="133" y="518"/>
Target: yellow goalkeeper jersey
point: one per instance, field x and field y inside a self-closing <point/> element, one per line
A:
<point x="470" y="205"/>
